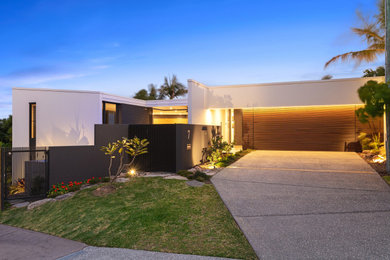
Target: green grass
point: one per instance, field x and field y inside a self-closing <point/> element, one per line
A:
<point x="146" y="213"/>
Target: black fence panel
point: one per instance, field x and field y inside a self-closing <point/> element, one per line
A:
<point x="25" y="173"/>
<point x="161" y="154"/>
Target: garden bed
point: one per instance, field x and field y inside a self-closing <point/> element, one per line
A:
<point x="379" y="167"/>
<point x="228" y="159"/>
<point x="145" y="213"/>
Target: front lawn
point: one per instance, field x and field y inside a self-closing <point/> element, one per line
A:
<point x="147" y="213"/>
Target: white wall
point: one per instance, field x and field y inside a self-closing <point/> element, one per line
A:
<point x="303" y="93"/>
<point x="196" y="103"/>
<point x="63" y="117"/>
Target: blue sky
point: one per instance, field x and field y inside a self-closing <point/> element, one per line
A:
<point x="120" y="47"/>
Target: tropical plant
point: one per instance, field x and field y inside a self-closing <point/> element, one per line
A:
<point x="133" y="147"/>
<point x="372" y="143"/>
<point x="375" y="96"/>
<point x="217" y="149"/>
<point x="172" y="88"/>
<point x="364" y="141"/>
<point x="380" y="71"/>
<point x="376" y="143"/>
<point x="18" y="187"/>
<point x="373" y="33"/>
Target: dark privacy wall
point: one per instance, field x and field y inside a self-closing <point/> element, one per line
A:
<point x="172" y="148"/>
<point x="76" y="163"/>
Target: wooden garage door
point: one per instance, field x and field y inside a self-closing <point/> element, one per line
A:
<point x="322" y="128"/>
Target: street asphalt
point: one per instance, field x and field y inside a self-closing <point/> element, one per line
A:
<point x="308" y="205"/>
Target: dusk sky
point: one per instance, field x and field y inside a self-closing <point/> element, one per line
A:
<point x="120" y="47"/>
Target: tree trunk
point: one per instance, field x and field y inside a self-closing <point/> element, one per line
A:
<point x="109" y="167"/>
<point x="387" y="62"/>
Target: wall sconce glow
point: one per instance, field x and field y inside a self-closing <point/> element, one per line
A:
<point x="209" y="116"/>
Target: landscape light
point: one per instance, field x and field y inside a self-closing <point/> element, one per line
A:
<point x="132" y="172"/>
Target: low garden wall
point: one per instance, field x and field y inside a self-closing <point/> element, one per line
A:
<point x="172" y="148"/>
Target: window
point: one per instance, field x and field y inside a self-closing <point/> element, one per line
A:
<point x="110" y="113"/>
<point x="32" y="128"/>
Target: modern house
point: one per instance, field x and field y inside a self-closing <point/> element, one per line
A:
<point x="73" y="125"/>
<point x="305" y="115"/>
<point x="49" y="117"/>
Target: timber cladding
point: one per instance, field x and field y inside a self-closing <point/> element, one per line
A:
<point x="317" y="128"/>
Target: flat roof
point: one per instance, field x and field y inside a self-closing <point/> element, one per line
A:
<point x="116" y="98"/>
<point x="380" y="78"/>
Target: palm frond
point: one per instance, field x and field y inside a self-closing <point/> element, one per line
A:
<point x="380" y="47"/>
<point x="370" y="32"/>
<point x="373" y="33"/>
<point x="368" y="55"/>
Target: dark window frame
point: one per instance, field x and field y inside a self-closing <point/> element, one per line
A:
<point x="117" y="119"/>
<point x="32" y="124"/>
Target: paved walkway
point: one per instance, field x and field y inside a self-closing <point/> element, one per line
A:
<point x="308" y="205"/>
<point x="18" y="243"/>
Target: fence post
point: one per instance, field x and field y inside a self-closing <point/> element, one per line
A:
<point x="2" y="178"/>
<point x="47" y="170"/>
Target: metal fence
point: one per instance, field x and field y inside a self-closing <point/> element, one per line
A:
<point x="24" y="173"/>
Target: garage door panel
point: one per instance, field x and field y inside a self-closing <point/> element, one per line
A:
<point x="300" y="128"/>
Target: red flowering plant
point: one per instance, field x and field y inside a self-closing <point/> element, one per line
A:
<point x="62" y="188"/>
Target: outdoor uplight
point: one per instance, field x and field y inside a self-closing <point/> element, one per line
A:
<point x="132" y="172"/>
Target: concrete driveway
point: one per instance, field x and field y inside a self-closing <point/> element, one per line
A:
<point x="308" y="205"/>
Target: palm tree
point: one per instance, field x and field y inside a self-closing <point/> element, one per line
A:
<point x="374" y="35"/>
<point x="172" y="88"/>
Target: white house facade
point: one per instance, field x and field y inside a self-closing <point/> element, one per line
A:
<point x="306" y="115"/>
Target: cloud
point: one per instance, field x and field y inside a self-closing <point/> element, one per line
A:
<point x="36" y="75"/>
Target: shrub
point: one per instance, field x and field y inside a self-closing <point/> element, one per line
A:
<point x="198" y="175"/>
<point x="373" y="143"/>
<point x="62" y="188"/>
<point x="217" y="149"/>
<point x="184" y="173"/>
<point x="376" y="143"/>
<point x="364" y="141"/>
<point x="19" y="187"/>
<point x="132" y="147"/>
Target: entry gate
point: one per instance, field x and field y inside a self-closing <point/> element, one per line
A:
<point x="24" y="173"/>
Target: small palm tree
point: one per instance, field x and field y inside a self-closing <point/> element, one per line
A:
<point x="172" y="88"/>
<point x="374" y="35"/>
